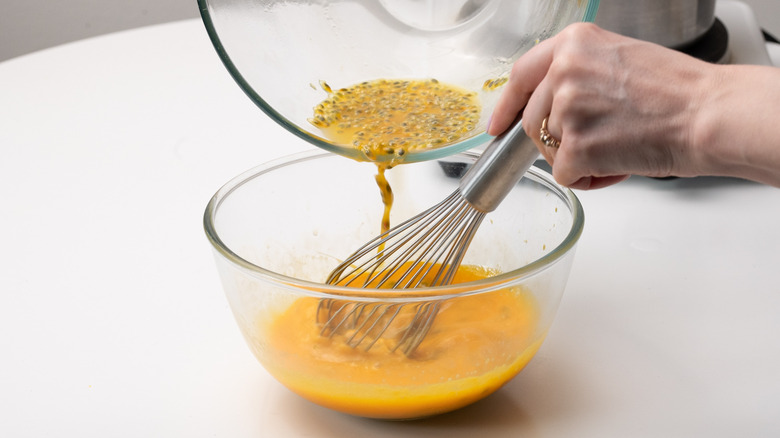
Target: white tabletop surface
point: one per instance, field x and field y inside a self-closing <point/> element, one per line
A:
<point x="113" y="323"/>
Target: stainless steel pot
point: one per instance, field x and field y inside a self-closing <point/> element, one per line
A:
<point x="671" y="23"/>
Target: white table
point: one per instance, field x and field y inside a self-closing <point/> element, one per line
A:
<point x="113" y="323"/>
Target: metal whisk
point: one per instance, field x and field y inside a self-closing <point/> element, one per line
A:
<point x="425" y="250"/>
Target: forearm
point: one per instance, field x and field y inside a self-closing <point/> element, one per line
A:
<point x="737" y="127"/>
<point x="621" y="107"/>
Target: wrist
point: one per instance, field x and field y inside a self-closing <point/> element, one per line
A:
<point x="735" y="128"/>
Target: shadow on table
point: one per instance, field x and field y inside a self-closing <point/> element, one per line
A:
<point x="535" y="397"/>
<point x="700" y="183"/>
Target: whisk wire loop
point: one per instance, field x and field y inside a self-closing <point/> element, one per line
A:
<point x="379" y="252"/>
<point x="425" y="250"/>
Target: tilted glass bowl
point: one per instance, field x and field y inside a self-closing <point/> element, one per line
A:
<point x="279" y="50"/>
<point x="279" y="229"/>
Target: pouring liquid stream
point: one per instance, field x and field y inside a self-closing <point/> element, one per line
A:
<point x="386" y="119"/>
<point x="387" y="197"/>
<point x="509" y="316"/>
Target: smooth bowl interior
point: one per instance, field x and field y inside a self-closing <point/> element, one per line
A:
<point x="279" y="229"/>
<point x="279" y="50"/>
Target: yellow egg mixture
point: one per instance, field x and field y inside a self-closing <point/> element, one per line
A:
<point x="476" y="344"/>
<point x="386" y="119"/>
<point x="389" y="118"/>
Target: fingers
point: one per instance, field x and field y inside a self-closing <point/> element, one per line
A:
<point x="595" y="182"/>
<point x="538" y="107"/>
<point x="526" y="75"/>
<point x="529" y="90"/>
<point x="575" y="169"/>
<point x="551" y="81"/>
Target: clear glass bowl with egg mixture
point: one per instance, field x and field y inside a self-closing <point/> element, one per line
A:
<point x="279" y="229"/>
<point x="288" y="56"/>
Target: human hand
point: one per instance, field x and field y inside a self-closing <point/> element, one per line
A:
<point x="619" y="106"/>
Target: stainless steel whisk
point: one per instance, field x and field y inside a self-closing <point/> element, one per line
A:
<point x="425" y="250"/>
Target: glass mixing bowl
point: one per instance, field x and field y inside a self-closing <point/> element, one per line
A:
<point x="279" y="50"/>
<point x="279" y="229"/>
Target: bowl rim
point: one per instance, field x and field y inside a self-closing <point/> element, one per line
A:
<point x="321" y="290"/>
<point x="479" y="138"/>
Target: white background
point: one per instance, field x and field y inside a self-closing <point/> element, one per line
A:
<point x="30" y="25"/>
<point x="113" y="323"/>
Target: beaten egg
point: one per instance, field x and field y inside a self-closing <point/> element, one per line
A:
<point x="476" y="344"/>
<point x="387" y="118"/>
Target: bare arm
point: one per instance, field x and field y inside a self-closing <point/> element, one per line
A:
<point x="625" y="107"/>
<point x="738" y="127"/>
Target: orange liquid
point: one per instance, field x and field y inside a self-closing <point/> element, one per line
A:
<point x="476" y="344"/>
<point x="386" y="119"/>
<point x="389" y="118"/>
<point x="387" y="196"/>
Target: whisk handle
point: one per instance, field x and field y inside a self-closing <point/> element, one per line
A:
<point x="500" y="167"/>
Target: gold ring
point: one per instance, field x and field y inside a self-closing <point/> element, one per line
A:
<point x="546" y="137"/>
